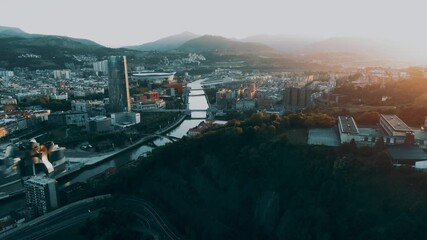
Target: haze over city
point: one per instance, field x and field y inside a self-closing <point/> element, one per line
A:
<point x="129" y="22"/>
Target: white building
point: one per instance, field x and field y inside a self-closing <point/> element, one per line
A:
<point x="62" y="74"/>
<point x="101" y="66"/>
<point x="6" y="74"/>
<point x="63" y="96"/>
<point x="41" y="192"/>
<point x="125" y="119"/>
<point x="347" y="128"/>
<point x="28" y="96"/>
<point x="147" y="105"/>
<point x="8" y="101"/>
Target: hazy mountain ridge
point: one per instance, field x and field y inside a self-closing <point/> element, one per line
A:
<point x="17" y="32"/>
<point x="283" y="43"/>
<point x="52" y="51"/>
<point x="166" y="43"/>
<point x="222" y="44"/>
<point x="336" y="51"/>
<point x="11" y="32"/>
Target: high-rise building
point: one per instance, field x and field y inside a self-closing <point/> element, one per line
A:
<point x="118" y="84"/>
<point x="101" y="66"/>
<point x="297" y="97"/>
<point x="40" y="192"/>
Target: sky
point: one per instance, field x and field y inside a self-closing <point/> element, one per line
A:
<point x="133" y="22"/>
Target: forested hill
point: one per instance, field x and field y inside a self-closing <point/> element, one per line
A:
<point x="48" y="52"/>
<point x="247" y="181"/>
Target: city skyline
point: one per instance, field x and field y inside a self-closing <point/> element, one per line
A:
<point x="395" y="21"/>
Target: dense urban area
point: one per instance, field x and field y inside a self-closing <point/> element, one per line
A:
<point x="215" y="139"/>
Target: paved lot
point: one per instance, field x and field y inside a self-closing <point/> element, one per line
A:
<point x="323" y="136"/>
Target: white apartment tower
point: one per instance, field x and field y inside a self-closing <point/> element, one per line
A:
<point x="41" y="192"/>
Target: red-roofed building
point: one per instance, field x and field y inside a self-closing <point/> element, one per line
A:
<point x="177" y="86"/>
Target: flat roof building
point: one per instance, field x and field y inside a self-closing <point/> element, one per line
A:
<point x="348" y="129"/>
<point x="394" y="126"/>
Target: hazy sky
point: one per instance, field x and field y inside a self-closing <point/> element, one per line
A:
<point x="128" y="22"/>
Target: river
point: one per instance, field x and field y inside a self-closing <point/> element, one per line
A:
<point x="197" y="102"/>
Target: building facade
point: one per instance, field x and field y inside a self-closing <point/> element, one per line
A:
<point x="101" y="66"/>
<point x="62" y="74"/>
<point x="125" y="119"/>
<point x="99" y="124"/>
<point x="41" y="193"/>
<point x="297" y="97"/>
<point x="118" y="84"/>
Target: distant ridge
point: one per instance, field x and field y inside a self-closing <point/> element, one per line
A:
<point x="222" y="44"/>
<point x="17" y="32"/>
<point x="11" y="32"/>
<point x="283" y="43"/>
<point x="50" y="51"/>
<point x="167" y="43"/>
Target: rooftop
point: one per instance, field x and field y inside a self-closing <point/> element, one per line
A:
<point x="347" y="125"/>
<point x="396" y="123"/>
<point x="402" y="152"/>
<point x="41" y="180"/>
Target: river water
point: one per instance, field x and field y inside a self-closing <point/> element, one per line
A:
<point x="196" y="102"/>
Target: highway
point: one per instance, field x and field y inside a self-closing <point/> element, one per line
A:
<point x="56" y="220"/>
<point x="148" y="219"/>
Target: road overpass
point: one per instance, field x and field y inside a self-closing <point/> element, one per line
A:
<point x="172" y="138"/>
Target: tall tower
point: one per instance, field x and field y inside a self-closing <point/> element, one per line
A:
<point x="41" y="193"/>
<point x="118" y="84"/>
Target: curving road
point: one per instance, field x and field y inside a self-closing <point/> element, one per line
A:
<point x="148" y="218"/>
<point x="56" y="220"/>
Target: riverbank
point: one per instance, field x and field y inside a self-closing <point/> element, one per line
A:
<point x="92" y="160"/>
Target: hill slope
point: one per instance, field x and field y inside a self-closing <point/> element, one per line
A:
<point x="208" y="43"/>
<point x="47" y="51"/>
<point x="12" y="32"/>
<point x="167" y="43"/>
<point x="284" y="43"/>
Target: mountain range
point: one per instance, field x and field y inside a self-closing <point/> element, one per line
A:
<point x="167" y="43"/>
<point x="337" y="48"/>
<point x="222" y="44"/>
<point x="50" y="51"/>
<point x="15" y="42"/>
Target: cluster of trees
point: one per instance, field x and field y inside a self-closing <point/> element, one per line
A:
<point x="400" y="92"/>
<point x="106" y="141"/>
<point x="310" y="120"/>
<point x="151" y="122"/>
<point x="246" y="181"/>
<point x="54" y="105"/>
<point x="111" y="224"/>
